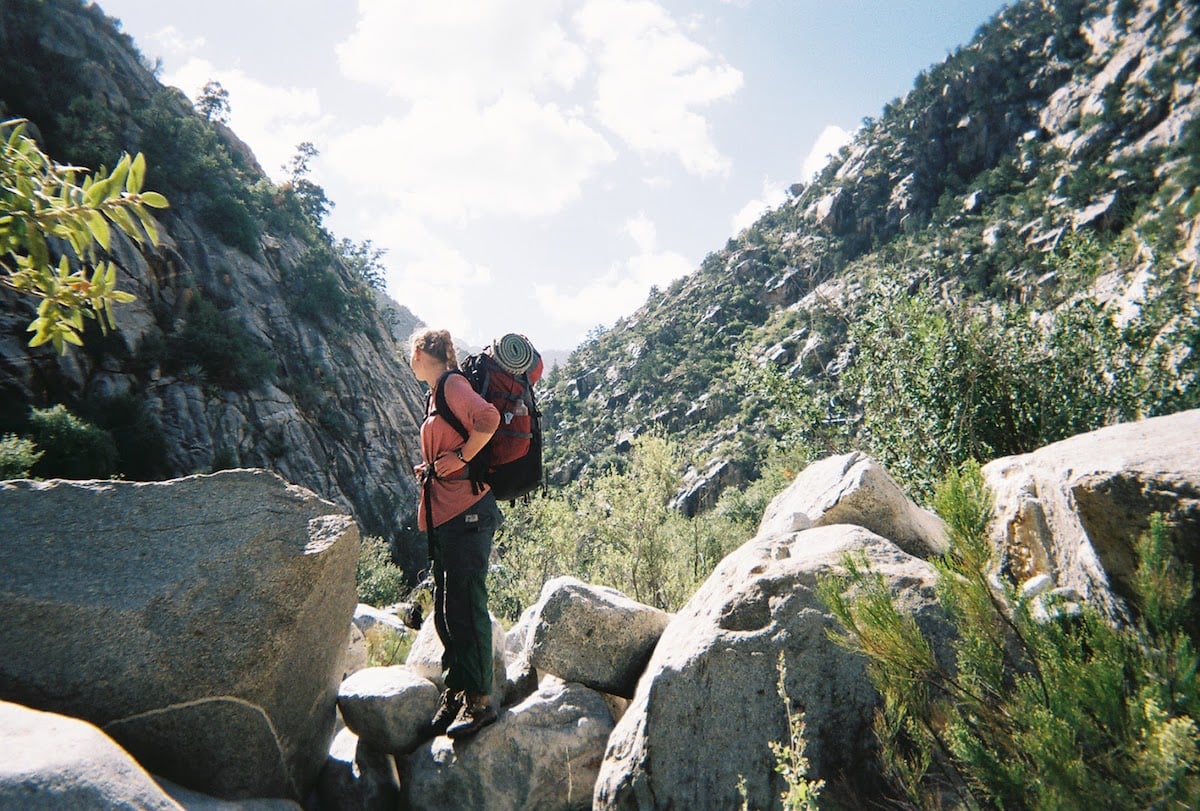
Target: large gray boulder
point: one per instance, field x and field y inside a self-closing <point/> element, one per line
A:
<point x="854" y="489"/>
<point x="201" y="622"/>
<point x="53" y="762"/>
<point x="543" y="753"/>
<point x="707" y="707"/>
<point x="1073" y="510"/>
<point x="593" y="635"/>
<point x="388" y="707"/>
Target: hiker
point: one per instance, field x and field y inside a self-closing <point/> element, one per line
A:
<point x="460" y="517"/>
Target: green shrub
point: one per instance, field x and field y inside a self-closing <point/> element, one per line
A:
<point x="320" y="294"/>
<point x="617" y="530"/>
<point x="386" y="646"/>
<point x="1050" y="709"/>
<point x="939" y="382"/>
<point x="380" y="582"/>
<point x="71" y="447"/>
<point x="18" y="455"/>
<point x="801" y="793"/>
<point x="224" y="458"/>
<point x="188" y="157"/>
<point x="220" y="347"/>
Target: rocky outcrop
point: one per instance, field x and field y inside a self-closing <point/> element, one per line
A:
<point x="1074" y="509"/>
<point x="854" y="489"/>
<point x="388" y="707"/>
<point x="201" y="622"/>
<point x="707" y="706"/>
<point x="749" y="648"/>
<point x="358" y="777"/>
<point x="545" y="749"/>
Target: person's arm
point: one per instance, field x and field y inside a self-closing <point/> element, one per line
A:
<point x="482" y="417"/>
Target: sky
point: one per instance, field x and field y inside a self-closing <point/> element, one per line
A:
<point x="537" y="166"/>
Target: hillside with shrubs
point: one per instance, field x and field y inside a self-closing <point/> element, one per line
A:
<point x="1005" y="256"/>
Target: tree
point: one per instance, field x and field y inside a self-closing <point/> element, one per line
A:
<point x="42" y="207"/>
<point x="366" y="261"/>
<point x="313" y="200"/>
<point x="213" y="103"/>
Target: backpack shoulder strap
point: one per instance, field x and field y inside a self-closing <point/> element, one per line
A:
<point x="442" y="408"/>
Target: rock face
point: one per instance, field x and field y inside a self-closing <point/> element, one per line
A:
<point x="202" y="622"/>
<point x="543" y="753"/>
<point x="707" y="705"/>
<point x="853" y="489"/>
<point x="50" y="762"/>
<point x="593" y="635"/>
<point x="1073" y="510"/>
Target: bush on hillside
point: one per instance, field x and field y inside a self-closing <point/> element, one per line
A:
<point x="214" y="344"/>
<point x="18" y="455"/>
<point x="72" y="448"/>
<point x="380" y="582"/>
<point x="938" y="382"/>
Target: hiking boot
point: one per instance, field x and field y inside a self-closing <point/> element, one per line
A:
<point x="474" y="716"/>
<point x="448" y="709"/>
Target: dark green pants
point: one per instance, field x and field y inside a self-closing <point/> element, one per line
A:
<point x="460" y="549"/>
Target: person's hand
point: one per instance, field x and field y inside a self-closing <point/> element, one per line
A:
<point x="447" y="464"/>
<point x="419" y="470"/>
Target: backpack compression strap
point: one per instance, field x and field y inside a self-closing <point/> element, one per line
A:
<point x="442" y="408"/>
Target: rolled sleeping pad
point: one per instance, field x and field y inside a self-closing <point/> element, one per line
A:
<point x="514" y="353"/>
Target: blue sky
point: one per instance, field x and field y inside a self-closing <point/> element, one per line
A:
<point x="537" y="165"/>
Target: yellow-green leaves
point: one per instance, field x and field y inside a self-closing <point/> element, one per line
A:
<point x="40" y="205"/>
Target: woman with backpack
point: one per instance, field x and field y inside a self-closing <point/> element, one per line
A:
<point x="461" y="518"/>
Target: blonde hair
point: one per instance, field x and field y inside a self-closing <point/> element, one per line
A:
<point x="436" y="343"/>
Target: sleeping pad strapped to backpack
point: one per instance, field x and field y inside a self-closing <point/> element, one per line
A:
<point x="504" y="374"/>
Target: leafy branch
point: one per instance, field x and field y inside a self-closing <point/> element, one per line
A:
<point x="41" y="201"/>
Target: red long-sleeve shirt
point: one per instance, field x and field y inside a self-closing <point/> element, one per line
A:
<point x="452" y="496"/>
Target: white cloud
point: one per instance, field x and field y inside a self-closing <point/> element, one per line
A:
<point x="500" y="111"/>
<point x="486" y="127"/>
<point x="771" y="196"/>
<point x="463" y="51"/>
<point x="272" y="120"/>
<point x="619" y="290"/>
<point x="652" y="80"/>
<point x="831" y="139"/>
<point x="171" y="43"/>
<point x="456" y="162"/>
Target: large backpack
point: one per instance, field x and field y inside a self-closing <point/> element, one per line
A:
<point x="504" y="374"/>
